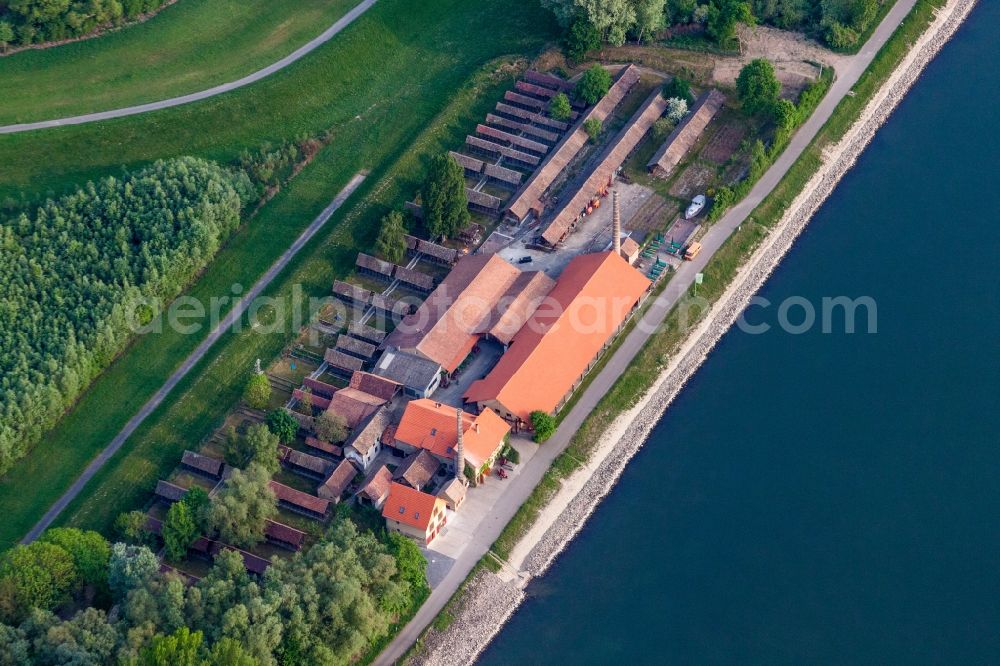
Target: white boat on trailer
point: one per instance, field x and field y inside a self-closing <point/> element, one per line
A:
<point x="697" y="205"/>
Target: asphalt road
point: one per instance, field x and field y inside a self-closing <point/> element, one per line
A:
<point x="522" y="486"/>
<point x="234" y="315"/>
<point x="311" y="46"/>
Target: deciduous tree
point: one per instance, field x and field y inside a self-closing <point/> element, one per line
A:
<point x="283" y="424"/>
<point x="179" y="530"/>
<point x="391" y="241"/>
<point x="592" y="126"/>
<point x="178" y="649"/>
<point x="257" y="393"/>
<point x="90" y="552"/>
<point x="724" y="16"/>
<point x="129" y="567"/>
<point x="758" y="87"/>
<point x="560" y="108"/>
<point x="580" y="39"/>
<point x="240" y="510"/>
<point x="39" y="575"/>
<point x="544" y="424"/>
<point x="331" y="427"/>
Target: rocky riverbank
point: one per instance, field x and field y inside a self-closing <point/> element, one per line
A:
<point x="491" y="598"/>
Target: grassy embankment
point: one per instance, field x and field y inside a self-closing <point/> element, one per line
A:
<point x="190" y="46"/>
<point x="398" y="104"/>
<point x="718" y="274"/>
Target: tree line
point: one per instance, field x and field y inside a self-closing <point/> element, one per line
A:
<point x="591" y="23"/>
<point x="325" y="605"/>
<point x="26" y="22"/>
<point x="75" y="269"/>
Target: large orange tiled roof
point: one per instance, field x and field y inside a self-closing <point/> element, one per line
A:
<point x="354" y="405"/>
<point x="410" y="507"/>
<point x="591" y="299"/>
<point x="519" y="303"/>
<point x="448" y="324"/>
<point x="430" y="425"/>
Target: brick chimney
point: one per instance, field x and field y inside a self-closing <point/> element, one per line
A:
<point x="459" y="449"/>
<point x="616" y="231"/>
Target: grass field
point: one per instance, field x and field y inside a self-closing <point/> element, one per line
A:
<point x="189" y="46"/>
<point x="383" y="124"/>
<point x="392" y="53"/>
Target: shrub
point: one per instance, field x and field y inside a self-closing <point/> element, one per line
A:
<point x="677" y="108"/>
<point x="543" y="424"/>
<point x="559" y="107"/>
<point x="593" y="85"/>
<point x="592" y="126"/>
<point x="840" y="36"/>
<point x="179" y="530"/>
<point x="662" y="129"/>
<point x="130" y="526"/>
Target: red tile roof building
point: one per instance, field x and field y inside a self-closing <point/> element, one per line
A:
<point x="548" y="358"/>
<point x="414" y="513"/>
<point x="433" y="426"/>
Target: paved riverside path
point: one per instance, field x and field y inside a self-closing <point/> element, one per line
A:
<point x="295" y="55"/>
<point x="234" y="316"/>
<point x="524" y="483"/>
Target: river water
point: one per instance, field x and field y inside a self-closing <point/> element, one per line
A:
<point x="830" y="498"/>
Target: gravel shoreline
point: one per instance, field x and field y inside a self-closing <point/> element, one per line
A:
<point x="490" y="599"/>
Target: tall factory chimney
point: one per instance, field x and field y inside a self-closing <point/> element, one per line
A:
<point x="459" y="449"/>
<point x="616" y="231"/>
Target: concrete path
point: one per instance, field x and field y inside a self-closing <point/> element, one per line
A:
<point x="234" y="316"/>
<point x="327" y="35"/>
<point x="521" y="487"/>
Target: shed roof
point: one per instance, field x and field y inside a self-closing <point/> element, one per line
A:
<point x="519" y="303"/>
<point x="448" y="324"/>
<point x="284" y="533"/>
<point x="417" y="469"/>
<point x="354" y="405"/>
<point x="531" y="116"/>
<point x="440" y="252"/>
<point x="512" y="139"/>
<point x="299" y="498"/>
<point x="351" y="292"/>
<point x="355" y="347"/>
<point x="370" y="263"/>
<point x="366" y="333"/>
<point x="169" y="491"/>
<point x="407" y="369"/>
<point x="410" y="507"/>
<point x="547" y="80"/>
<point x="340" y="478"/>
<point x="319" y="466"/>
<point x="210" y="466"/>
<point x="613" y="157"/>
<point x="416" y="278"/>
<point x="339" y="359"/>
<point x="379" y="387"/>
<point x="470" y="163"/>
<point x="495" y="148"/>
<point x="431" y="425"/>
<point x="370" y="432"/>
<point x="483" y="200"/>
<point x="525" y="128"/>
<point x="503" y="174"/>
<point x="377" y="487"/>
<point x="529" y="197"/>
<point x="591" y="299"/>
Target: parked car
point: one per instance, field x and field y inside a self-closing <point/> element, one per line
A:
<point x="524" y="260"/>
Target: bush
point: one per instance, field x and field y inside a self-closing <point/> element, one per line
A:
<point x="592" y="126"/>
<point x="559" y="107"/>
<point x="593" y="85"/>
<point x="283" y="424"/>
<point x="179" y="530"/>
<point x="840" y="36"/>
<point x="257" y="393"/>
<point x="130" y="526"/>
<point x="511" y="454"/>
<point x="543" y="424"/>
<point x="677" y="108"/>
<point x="662" y="129"/>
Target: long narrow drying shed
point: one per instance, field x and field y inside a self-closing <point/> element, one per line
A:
<point x="686" y="134"/>
<point x="529" y="198"/>
<point x="601" y="177"/>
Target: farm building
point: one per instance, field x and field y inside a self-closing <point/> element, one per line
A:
<point x="300" y="502"/>
<point x="335" y="484"/>
<point x="417" y="470"/>
<point x="375" y="491"/>
<point x="413" y="513"/>
<point x="418" y="376"/>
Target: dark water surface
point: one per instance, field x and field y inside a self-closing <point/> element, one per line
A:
<point x="826" y="498"/>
